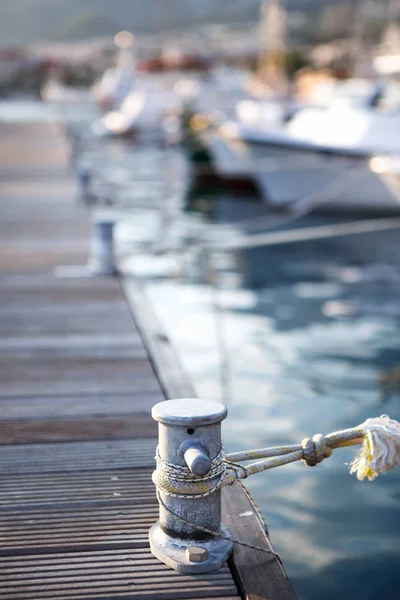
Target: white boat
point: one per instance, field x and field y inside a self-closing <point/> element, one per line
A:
<point x="343" y="158"/>
<point x="118" y="81"/>
<point x="113" y="87"/>
<point x="143" y="109"/>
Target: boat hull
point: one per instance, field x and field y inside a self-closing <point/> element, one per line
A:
<point x="319" y="180"/>
<point x="322" y="183"/>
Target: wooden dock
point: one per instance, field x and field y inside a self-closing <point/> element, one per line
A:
<point x="79" y="377"/>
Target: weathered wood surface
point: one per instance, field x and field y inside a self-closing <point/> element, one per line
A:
<point x="76" y="437"/>
<point x="259" y="575"/>
<point x="169" y="372"/>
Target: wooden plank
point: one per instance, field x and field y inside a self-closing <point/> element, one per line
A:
<point x="65" y="530"/>
<point x="80" y="318"/>
<point x="108" y="574"/>
<point x="50" y="406"/>
<point x="258" y="575"/>
<point x="28" y="431"/>
<point x="33" y="172"/>
<point x="69" y="375"/>
<point x="162" y="355"/>
<point x="43" y="289"/>
<point x="82" y="456"/>
<point x="74" y="489"/>
<point x="46" y="348"/>
<point x="85" y="559"/>
<point x="122" y="382"/>
<point x="27" y="192"/>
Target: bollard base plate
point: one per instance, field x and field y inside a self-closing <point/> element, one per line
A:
<point x="174" y="551"/>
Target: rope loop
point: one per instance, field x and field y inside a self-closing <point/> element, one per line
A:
<point x="179" y="482"/>
<point x="315" y="449"/>
<point x="380" y="439"/>
<point x="239" y="471"/>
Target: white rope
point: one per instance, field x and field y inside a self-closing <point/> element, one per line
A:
<point x="380" y="449"/>
<point x="179" y="482"/>
<point x="305" y="234"/>
<point x="380" y="439"/>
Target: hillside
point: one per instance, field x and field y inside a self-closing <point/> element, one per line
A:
<point x="24" y="21"/>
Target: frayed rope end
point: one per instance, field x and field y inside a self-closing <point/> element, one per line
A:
<point x="380" y="448"/>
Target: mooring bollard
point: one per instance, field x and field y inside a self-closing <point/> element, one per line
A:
<point x="189" y="453"/>
<point x="102" y="254"/>
<point x="84" y="177"/>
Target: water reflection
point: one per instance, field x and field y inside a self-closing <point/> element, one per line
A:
<point x="296" y="339"/>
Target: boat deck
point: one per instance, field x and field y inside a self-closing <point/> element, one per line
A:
<point x="77" y="440"/>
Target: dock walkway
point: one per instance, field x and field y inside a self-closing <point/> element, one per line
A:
<point x="77" y="440"/>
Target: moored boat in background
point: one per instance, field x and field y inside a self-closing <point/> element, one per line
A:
<point x="343" y="158"/>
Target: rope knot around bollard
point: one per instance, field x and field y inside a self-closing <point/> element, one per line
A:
<point x="315" y="449"/>
<point x="179" y="482"/>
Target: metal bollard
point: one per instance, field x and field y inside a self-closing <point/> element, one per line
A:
<point x="102" y="257"/>
<point x="83" y="179"/>
<point x="189" y="436"/>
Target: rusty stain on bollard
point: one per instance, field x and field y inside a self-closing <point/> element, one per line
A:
<point x="189" y="438"/>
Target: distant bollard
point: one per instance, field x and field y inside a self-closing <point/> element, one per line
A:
<point x="172" y="130"/>
<point x="189" y="452"/>
<point x="84" y="179"/>
<point x="102" y="254"/>
<point x="75" y="148"/>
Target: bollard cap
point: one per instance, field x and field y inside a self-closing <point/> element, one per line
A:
<point x="104" y="217"/>
<point x="189" y="411"/>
